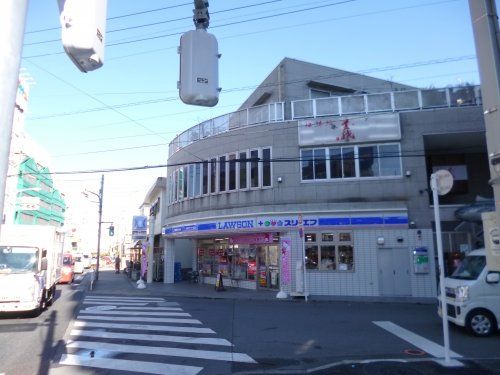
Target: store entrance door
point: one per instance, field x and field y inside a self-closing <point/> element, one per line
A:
<point x="268" y="266"/>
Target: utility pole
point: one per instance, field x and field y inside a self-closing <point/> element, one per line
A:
<point x="12" y="23"/>
<point x="101" y="191"/>
<point x="487" y="38"/>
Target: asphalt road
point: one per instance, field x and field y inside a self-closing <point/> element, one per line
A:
<point x="28" y="343"/>
<point x="282" y="337"/>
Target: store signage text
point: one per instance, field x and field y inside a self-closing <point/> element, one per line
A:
<point x="271" y="223"/>
<point x="236" y="224"/>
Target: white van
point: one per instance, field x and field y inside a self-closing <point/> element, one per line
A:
<point x="473" y="295"/>
<point x="79" y="265"/>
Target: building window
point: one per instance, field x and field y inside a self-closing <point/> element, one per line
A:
<point x="390" y="160"/>
<point x="266" y="167"/>
<point x="313" y="164"/>
<point x="238" y="170"/>
<point x="243" y="170"/>
<point x="205" y="177"/>
<point x="350" y="162"/>
<point x="213" y="175"/>
<point x="307" y="164"/>
<point x="184" y="182"/>
<point x="232" y="172"/>
<point x="254" y="168"/>
<point x="368" y="161"/>
<point x="311" y="256"/>
<point x="329" y="251"/>
<point x="222" y="173"/>
<point x="197" y="181"/>
<point x="190" y="188"/>
<point x="319" y="164"/>
<point x="176" y="185"/>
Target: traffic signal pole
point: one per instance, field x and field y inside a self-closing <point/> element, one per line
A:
<point x="12" y="23"/>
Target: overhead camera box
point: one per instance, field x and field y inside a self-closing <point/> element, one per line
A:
<point x="83" y="29"/>
<point x="199" y="68"/>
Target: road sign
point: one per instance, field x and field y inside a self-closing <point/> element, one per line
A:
<point x="444" y="181"/>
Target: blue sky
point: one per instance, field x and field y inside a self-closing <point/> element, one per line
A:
<point x="424" y="43"/>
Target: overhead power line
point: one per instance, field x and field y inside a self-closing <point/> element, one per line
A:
<point x="116" y="17"/>
<point x="407" y="154"/>
<point x="246" y="88"/>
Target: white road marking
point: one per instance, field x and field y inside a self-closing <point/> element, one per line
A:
<point x="133" y="313"/>
<point x="150" y="308"/>
<point x="146" y="337"/>
<point x="139" y="319"/>
<point x="129" y="299"/>
<point x="127" y="365"/>
<point x="145" y="327"/>
<point x="420" y="342"/>
<point x="85" y="302"/>
<point x="163" y="351"/>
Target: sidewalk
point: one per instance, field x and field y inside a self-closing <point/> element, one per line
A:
<point x="111" y="283"/>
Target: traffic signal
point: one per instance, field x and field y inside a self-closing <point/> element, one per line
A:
<point x="111" y="230"/>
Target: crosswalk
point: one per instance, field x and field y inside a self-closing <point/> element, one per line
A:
<point x="144" y="335"/>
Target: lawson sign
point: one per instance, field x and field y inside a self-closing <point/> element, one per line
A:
<point x="292" y="222"/>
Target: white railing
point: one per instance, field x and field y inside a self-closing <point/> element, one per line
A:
<point x="386" y="102"/>
<point x="332" y="106"/>
<point x="274" y="112"/>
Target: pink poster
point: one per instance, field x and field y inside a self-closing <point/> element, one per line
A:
<point x="256" y="238"/>
<point x="286" y="252"/>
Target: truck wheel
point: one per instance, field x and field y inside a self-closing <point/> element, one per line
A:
<point x="50" y="300"/>
<point x="480" y="323"/>
<point x="42" y="305"/>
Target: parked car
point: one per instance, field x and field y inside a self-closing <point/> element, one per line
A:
<point x="67" y="270"/>
<point x="78" y="264"/>
<point x="107" y="260"/>
<point x="473" y="295"/>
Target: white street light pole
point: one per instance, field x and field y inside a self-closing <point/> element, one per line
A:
<point x="441" y="184"/>
<point x="99" y="196"/>
<point x="149" y="274"/>
<point x="12" y="23"/>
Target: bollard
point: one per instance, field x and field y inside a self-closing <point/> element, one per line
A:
<point x="219" y="282"/>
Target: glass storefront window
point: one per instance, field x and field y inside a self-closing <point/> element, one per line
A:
<point x="345" y="237"/>
<point x="327" y="237"/>
<point x="310" y="237"/>
<point x="330" y="251"/>
<point x="346" y="258"/>
<point x="311" y="256"/>
<point x="327" y="258"/>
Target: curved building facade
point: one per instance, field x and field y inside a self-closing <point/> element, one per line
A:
<point x="319" y="184"/>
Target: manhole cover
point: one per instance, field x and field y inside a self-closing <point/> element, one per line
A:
<point x="100" y="308"/>
<point x="414" y="352"/>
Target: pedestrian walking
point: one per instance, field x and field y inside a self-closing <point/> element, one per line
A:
<point x="117" y="264"/>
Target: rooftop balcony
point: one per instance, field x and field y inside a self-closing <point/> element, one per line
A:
<point x="395" y="101"/>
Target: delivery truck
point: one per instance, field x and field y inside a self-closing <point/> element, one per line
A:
<point x="30" y="266"/>
<point x="473" y="295"/>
